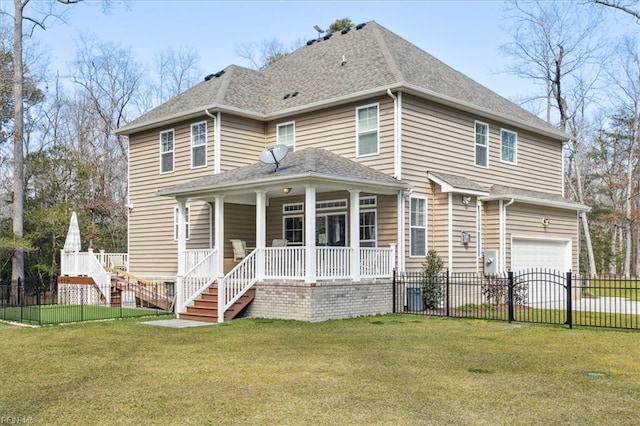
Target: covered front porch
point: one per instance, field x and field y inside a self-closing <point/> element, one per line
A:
<point x="330" y="246"/>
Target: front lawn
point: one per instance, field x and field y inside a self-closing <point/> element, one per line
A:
<point x="56" y="314"/>
<point x="386" y="370"/>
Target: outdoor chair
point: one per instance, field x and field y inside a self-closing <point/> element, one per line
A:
<point x="279" y="243"/>
<point x="239" y="249"/>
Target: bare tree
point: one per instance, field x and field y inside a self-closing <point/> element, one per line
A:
<point x="625" y="6"/>
<point x="554" y="46"/>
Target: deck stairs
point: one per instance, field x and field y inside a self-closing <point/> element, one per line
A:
<point x="205" y="307"/>
<point x="143" y="290"/>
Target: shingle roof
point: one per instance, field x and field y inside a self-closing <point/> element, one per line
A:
<point x="362" y="61"/>
<point x="306" y="164"/>
<point x="461" y="184"/>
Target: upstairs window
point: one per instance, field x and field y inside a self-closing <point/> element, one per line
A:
<point x="367" y="130"/>
<point x="199" y="145"/>
<point x="482" y="144"/>
<point x="508" y="146"/>
<point x="166" y="151"/>
<point x="286" y="135"/>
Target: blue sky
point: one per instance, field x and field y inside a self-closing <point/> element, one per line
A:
<point x="466" y="35"/>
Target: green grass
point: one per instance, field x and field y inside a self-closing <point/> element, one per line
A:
<point x="56" y="314"/>
<point x="386" y="370"/>
<point x="627" y="289"/>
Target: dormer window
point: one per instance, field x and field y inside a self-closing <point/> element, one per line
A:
<point x="286" y="135"/>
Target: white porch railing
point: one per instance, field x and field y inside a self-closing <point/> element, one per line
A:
<point x="333" y="263"/>
<point x="194" y="256"/>
<point x="284" y="263"/>
<point x="87" y="264"/>
<point x="113" y="260"/>
<point x="198" y="277"/>
<point x="377" y="262"/>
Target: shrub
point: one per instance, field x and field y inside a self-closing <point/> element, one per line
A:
<point x="433" y="284"/>
<point x="496" y="290"/>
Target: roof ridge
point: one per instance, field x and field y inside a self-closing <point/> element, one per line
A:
<point x="386" y="52"/>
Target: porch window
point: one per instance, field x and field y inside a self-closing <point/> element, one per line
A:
<point x="418" y="225"/>
<point x="482" y="144"/>
<point x="166" y="151"/>
<point x="508" y="143"/>
<point x="368" y="228"/>
<point x="286" y="135"/>
<point x="175" y="223"/>
<point x="367" y="130"/>
<point x="293" y="230"/>
<point x="199" y="145"/>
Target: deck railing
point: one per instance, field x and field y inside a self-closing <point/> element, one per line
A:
<point x="87" y="264"/>
<point x="113" y="260"/>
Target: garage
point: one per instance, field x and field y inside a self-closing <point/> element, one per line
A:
<point x="538" y="254"/>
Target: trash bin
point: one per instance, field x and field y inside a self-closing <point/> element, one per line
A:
<point x="415" y="302"/>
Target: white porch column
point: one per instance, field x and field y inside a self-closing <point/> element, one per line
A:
<point x="354" y="233"/>
<point x="219" y="239"/>
<point x="310" y="233"/>
<point x="261" y="230"/>
<point x="182" y="235"/>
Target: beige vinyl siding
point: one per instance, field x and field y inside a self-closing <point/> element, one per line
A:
<point x="491" y="229"/>
<point x="239" y="224"/>
<point x="152" y="249"/>
<point x="241" y="141"/>
<point x="524" y="220"/>
<point x="335" y="130"/>
<point x="464" y="219"/>
<point x="439" y="138"/>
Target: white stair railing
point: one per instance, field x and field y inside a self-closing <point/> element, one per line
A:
<point x="196" y="280"/>
<point x="86" y="264"/>
<point x="237" y="282"/>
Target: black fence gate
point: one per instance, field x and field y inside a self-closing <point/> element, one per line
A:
<point x="536" y="296"/>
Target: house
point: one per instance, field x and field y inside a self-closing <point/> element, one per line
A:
<point x="389" y="153"/>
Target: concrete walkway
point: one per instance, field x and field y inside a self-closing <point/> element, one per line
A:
<point x="177" y="323"/>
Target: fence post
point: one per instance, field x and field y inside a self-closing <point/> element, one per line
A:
<point x="510" y="296"/>
<point x="393" y="292"/>
<point x="569" y="302"/>
<point x="446" y="293"/>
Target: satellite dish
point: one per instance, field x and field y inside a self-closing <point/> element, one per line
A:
<point x="274" y="155"/>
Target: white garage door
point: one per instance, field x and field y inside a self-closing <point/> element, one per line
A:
<point x="529" y="253"/>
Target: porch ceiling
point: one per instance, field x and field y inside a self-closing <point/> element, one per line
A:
<point x="311" y="166"/>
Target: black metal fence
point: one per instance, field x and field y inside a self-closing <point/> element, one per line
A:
<point x="44" y="303"/>
<point x="536" y="296"/>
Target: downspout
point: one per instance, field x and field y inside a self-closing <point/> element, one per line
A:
<point x="503" y="234"/>
<point x="397" y="140"/>
<point x="216" y="141"/>
<point x="450" y="232"/>
<point x="397" y="172"/>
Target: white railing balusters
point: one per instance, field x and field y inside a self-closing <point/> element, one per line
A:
<point x="201" y="273"/>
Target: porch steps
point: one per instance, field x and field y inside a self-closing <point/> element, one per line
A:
<point x="205" y="308"/>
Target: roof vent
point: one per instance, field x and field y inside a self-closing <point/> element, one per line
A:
<point x="360" y="26"/>
<point x="286" y="96"/>
<point x="310" y="42"/>
<point x="218" y="74"/>
<point x="345" y="30"/>
<point x="294" y="94"/>
<point x="209" y="77"/>
<point x="328" y="36"/>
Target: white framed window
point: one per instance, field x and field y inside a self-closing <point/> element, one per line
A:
<point x="508" y="146"/>
<point x="418" y="225"/>
<point x="199" y="145"/>
<point x="368" y="201"/>
<point x="293" y="230"/>
<point x="166" y="151"/>
<point x="331" y="204"/>
<point x="286" y="135"/>
<point x="367" y="130"/>
<point x="368" y="236"/>
<point x="175" y="223"/>
<point x="482" y="144"/>
<point x="293" y="208"/>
